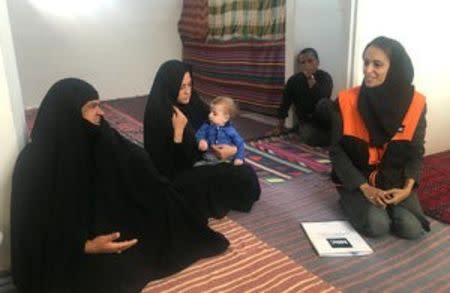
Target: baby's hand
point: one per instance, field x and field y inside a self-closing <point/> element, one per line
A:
<point x="203" y="145"/>
<point x="238" y="162"/>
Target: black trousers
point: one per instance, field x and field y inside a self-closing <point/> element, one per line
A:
<point x="313" y="135"/>
<point x="405" y="220"/>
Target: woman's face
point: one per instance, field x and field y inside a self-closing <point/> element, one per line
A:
<point x="376" y="66"/>
<point x="184" y="94"/>
<point x="92" y="112"/>
<point x="307" y="63"/>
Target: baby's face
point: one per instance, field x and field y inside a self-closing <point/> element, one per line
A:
<point x="218" y="115"/>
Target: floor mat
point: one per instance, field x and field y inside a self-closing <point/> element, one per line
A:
<point x="281" y="158"/>
<point x="275" y="159"/>
<point x="434" y="187"/>
<point x="249" y="265"/>
<point x="248" y="126"/>
<point x="397" y="265"/>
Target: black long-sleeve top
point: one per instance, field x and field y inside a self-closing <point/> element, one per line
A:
<point x="305" y="98"/>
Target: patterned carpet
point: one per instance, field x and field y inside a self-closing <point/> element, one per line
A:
<point x="434" y="188"/>
<point x="396" y="266"/>
<point x="277" y="159"/>
<point x="249" y="265"/>
<point x="248" y="128"/>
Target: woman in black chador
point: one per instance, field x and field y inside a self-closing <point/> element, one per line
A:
<point x="89" y="212"/>
<point x="173" y="113"/>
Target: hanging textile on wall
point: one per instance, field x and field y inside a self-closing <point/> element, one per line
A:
<point x="246" y="19"/>
<point x="193" y="22"/>
<point x="240" y="53"/>
<point x="251" y="73"/>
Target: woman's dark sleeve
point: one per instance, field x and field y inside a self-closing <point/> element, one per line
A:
<point x="347" y="173"/>
<point x="33" y="232"/>
<point x="414" y="167"/>
<point x="20" y="223"/>
<point x="186" y="153"/>
<point x="158" y="142"/>
<point x="145" y="177"/>
<point x="287" y="98"/>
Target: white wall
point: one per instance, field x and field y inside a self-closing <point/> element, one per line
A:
<point x="12" y="130"/>
<point x="117" y="45"/>
<point x="422" y="28"/>
<point x="325" y="26"/>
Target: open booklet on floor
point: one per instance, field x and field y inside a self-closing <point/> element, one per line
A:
<point x="335" y="238"/>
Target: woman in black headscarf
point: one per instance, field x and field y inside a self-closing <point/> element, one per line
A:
<point x="378" y="148"/>
<point x="89" y="212"/>
<point x="173" y="113"/>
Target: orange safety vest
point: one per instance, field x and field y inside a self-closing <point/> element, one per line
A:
<point x="353" y="124"/>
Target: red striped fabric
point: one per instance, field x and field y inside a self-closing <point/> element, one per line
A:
<point x="249" y="265"/>
<point x="397" y="265"/>
<point x="250" y="72"/>
<point x="193" y="23"/>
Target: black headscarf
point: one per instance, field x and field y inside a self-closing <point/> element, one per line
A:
<point x="383" y="107"/>
<point x="75" y="181"/>
<point x="158" y="129"/>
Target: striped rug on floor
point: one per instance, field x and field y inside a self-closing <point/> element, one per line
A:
<point x="249" y="125"/>
<point x="281" y="158"/>
<point x="275" y="159"/>
<point x="396" y="265"/>
<point x="249" y="265"/>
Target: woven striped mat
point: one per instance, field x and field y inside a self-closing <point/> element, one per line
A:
<point x="281" y="158"/>
<point x="275" y="159"/>
<point x="397" y="265"/>
<point x="250" y="72"/>
<point x="249" y="265"/>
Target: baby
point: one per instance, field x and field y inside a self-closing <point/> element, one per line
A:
<point x="218" y="130"/>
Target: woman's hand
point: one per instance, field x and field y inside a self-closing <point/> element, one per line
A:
<point x="397" y="195"/>
<point x="223" y="151"/>
<point x="179" y="122"/>
<point x="107" y="244"/>
<point x="310" y="78"/>
<point x="375" y="195"/>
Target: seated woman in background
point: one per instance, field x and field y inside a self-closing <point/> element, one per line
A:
<point x="174" y="112"/>
<point x="309" y="91"/>
<point x="378" y="147"/>
<point x="89" y="212"/>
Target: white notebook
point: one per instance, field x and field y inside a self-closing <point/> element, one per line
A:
<point x="336" y="238"/>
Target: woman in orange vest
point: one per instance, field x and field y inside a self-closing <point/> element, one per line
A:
<point x="378" y="145"/>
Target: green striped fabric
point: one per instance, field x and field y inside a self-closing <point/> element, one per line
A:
<point x="246" y="19"/>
